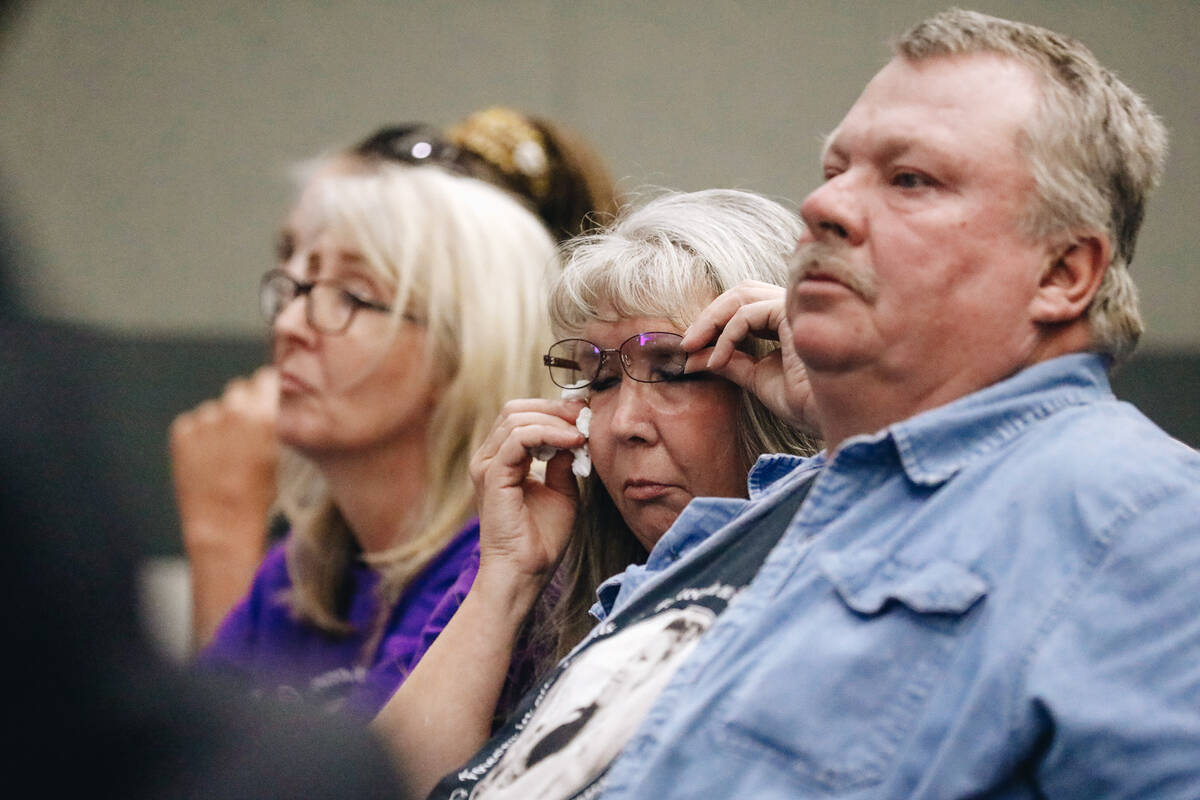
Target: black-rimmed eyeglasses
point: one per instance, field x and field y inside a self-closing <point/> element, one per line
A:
<point x="648" y="357"/>
<point x="328" y="306"/>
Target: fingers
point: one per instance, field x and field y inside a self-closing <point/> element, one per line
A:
<point x="525" y="436"/>
<point x="229" y="439"/>
<point x="741" y="368"/>
<point x="253" y="399"/>
<point x="522" y="426"/>
<point x="256" y="397"/>
<point x="559" y="476"/>
<point x="750" y="308"/>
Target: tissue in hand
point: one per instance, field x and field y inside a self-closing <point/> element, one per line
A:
<point x="582" y="465"/>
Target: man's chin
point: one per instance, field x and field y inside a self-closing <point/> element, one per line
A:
<point x="826" y="345"/>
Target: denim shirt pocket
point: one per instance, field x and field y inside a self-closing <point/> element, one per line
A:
<point x="837" y="693"/>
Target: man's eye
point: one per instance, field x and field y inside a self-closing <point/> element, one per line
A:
<point x="911" y="180"/>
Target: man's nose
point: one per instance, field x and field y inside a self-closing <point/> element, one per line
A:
<point x="833" y="211"/>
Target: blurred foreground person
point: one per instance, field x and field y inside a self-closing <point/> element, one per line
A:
<point x="96" y="712"/>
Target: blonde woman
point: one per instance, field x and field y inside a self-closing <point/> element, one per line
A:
<point x="407" y="305"/>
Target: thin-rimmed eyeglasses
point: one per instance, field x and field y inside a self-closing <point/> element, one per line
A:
<point x="649" y="357"/>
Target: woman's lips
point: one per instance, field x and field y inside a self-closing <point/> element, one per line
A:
<point x="643" y="490"/>
<point x="290" y="384"/>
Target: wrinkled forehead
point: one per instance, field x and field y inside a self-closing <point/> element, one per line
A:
<point x="989" y="94"/>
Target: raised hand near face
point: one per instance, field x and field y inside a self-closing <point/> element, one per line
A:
<point x="525" y="522"/>
<point x="224" y="456"/>
<point x="778" y="379"/>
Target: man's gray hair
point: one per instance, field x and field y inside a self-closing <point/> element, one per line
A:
<point x="1095" y="149"/>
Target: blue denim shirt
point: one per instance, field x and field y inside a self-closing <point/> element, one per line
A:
<point x="699" y="519"/>
<point x="997" y="598"/>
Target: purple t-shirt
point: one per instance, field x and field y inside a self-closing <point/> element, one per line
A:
<point x="260" y="642"/>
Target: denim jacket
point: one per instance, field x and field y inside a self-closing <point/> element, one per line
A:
<point x="996" y="598"/>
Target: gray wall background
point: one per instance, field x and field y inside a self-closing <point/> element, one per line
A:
<point x="146" y="144"/>
<point x="145" y="147"/>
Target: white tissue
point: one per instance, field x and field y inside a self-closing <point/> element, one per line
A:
<point x="584" y="420"/>
<point x="582" y="464"/>
<point x="543" y="452"/>
<point x="578" y="393"/>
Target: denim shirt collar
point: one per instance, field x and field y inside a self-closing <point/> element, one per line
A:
<point x="934" y="445"/>
<point x="771" y="469"/>
<point x="699" y="520"/>
<point x="695" y="523"/>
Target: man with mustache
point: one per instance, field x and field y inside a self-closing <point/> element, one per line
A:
<point x="988" y="584"/>
<point x="992" y="587"/>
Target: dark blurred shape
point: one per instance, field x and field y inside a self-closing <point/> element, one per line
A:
<point x="1165" y="385"/>
<point x="93" y="708"/>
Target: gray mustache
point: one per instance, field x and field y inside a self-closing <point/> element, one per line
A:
<point x="812" y="258"/>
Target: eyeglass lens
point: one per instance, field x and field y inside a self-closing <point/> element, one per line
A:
<point x="325" y="306"/>
<point x="646" y="357"/>
<point x="275" y="292"/>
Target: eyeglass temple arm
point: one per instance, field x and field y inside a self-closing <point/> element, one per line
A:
<point x="555" y="361"/>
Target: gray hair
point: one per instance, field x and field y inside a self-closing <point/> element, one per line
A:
<point x="1095" y="149"/>
<point x="669" y="258"/>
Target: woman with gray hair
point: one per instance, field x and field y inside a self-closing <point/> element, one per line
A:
<point x="661" y="432"/>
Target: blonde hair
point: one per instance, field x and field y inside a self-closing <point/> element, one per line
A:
<point x="1095" y="149"/>
<point x="470" y="261"/>
<point x="667" y="258"/>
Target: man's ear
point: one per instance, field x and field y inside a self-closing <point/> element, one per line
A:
<point x="1071" y="279"/>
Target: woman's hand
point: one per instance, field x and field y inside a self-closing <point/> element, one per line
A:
<point x="442" y="712"/>
<point x="779" y="379"/>
<point x="224" y="454"/>
<point x="525" y="522"/>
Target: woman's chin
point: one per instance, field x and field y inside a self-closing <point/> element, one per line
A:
<point x="303" y="438"/>
<point x="649" y="524"/>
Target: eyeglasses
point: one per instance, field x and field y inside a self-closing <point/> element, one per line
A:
<point x="649" y="357"/>
<point x="328" y="306"/>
